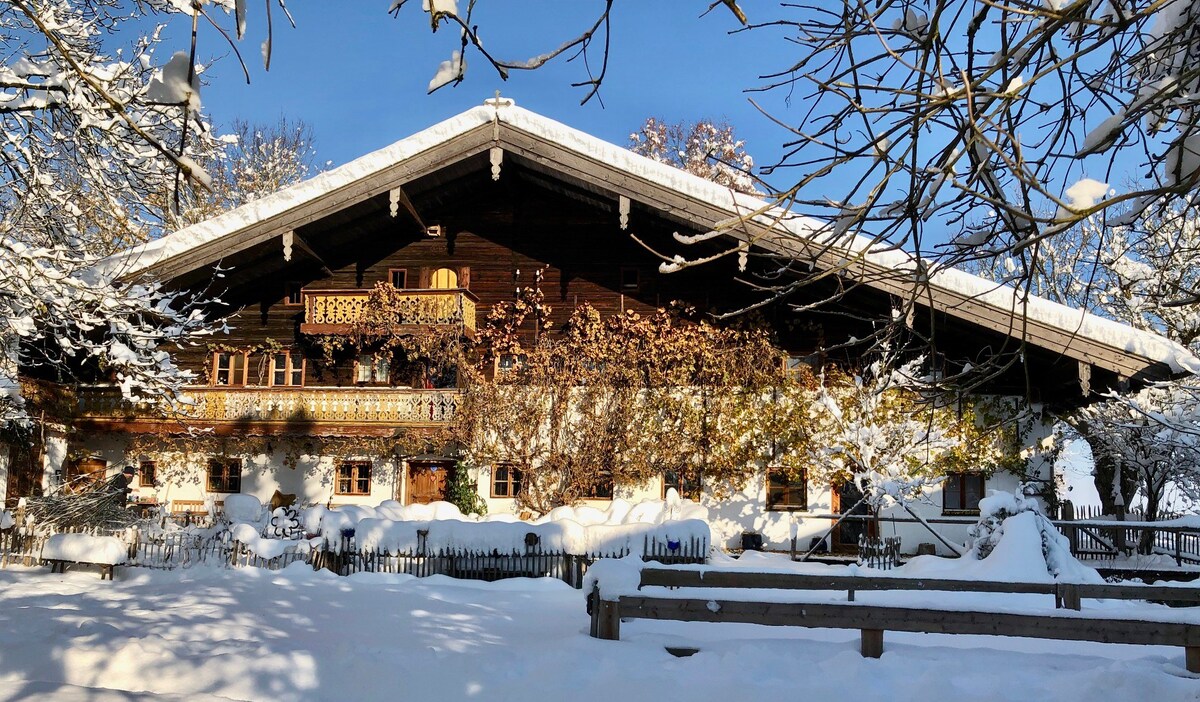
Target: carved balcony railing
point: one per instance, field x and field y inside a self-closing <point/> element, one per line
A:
<point x="335" y="311"/>
<point x="284" y="409"/>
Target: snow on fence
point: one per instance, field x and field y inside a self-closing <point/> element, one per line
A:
<point x="531" y="561"/>
<point x="219" y="547"/>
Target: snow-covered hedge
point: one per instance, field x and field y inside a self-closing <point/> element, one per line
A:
<point x="623" y="527"/>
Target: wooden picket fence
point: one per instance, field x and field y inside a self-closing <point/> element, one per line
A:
<point x="1096" y="536"/>
<point x="184" y="549"/>
<point x="345" y="558"/>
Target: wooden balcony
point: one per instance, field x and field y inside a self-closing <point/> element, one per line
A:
<point x="335" y="311"/>
<point x="330" y="411"/>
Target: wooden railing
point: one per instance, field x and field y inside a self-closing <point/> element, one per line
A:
<point x="334" y="311"/>
<point x="872" y="620"/>
<point x="269" y="405"/>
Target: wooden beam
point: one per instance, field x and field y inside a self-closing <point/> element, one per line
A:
<point x="402" y="198"/>
<point x="913" y="619"/>
<point x="299" y="242"/>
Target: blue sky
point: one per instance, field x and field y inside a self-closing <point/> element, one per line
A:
<point x="359" y="76"/>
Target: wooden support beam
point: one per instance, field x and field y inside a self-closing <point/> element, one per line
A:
<point x="609" y="624"/>
<point x="402" y="197"/>
<point x="1192" y="657"/>
<point x="299" y="242"/>
<point x="872" y="643"/>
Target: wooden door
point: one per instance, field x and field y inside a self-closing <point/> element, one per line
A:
<point x="85" y="474"/>
<point x="847" y="498"/>
<point x="427" y="481"/>
<point x="24" y="471"/>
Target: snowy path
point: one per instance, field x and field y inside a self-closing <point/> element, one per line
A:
<point x="210" y="635"/>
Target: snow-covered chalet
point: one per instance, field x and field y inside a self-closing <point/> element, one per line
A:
<point x="455" y="218"/>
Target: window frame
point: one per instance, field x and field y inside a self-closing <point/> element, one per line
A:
<point x="293" y="294"/>
<point x="147" y="473"/>
<point x="789" y="504"/>
<point x="289" y="370"/>
<point x="680" y="485"/>
<point x="403" y="278"/>
<point x="636" y="284"/>
<point x="216" y="368"/>
<point x="514" y="480"/>
<point x="375" y="361"/>
<point x="961" y="477"/>
<point x="226" y="478"/>
<point x="597" y="490"/>
<point x="354" y="480"/>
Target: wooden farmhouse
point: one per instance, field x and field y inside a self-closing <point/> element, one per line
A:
<point x="455" y="219"/>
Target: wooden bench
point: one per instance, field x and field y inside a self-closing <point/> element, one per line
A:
<point x="872" y="620"/>
<point x="60" y="566"/>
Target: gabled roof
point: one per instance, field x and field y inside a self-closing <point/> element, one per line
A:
<point x="615" y="171"/>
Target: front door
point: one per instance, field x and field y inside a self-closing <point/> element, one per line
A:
<point x="85" y="474"/>
<point x="427" y="481"/>
<point x="847" y="498"/>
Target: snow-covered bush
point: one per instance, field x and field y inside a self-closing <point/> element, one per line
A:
<point x="1013" y="532"/>
<point x="243" y="508"/>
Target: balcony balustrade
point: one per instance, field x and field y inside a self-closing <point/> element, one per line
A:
<point x="336" y="311"/>
<point x="284" y="408"/>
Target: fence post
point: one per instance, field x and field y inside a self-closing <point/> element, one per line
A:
<point x="1068" y="593"/>
<point x="610" y="620"/>
<point x="872" y="643"/>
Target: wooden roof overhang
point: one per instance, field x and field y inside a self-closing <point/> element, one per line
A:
<point x="607" y="180"/>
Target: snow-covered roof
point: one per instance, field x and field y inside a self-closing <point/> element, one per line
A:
<point x="1078" y="325"/>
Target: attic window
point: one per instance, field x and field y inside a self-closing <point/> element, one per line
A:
<point x="631" y="279"/>
<point x="292" y="293"/>
<point x="399" y="278"/>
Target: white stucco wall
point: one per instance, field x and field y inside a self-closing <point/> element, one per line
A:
<point x="182" y="477"/>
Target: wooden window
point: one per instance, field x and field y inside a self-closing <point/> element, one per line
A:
<point x="353" y="478"/>
<point x="371" y="369"/>
<point x="224" y="475"/>
<point x="287" y="368"/>
<point x="786" y="493"/>
<point x="229" y="368"/>
<point x="687" y="486"/>
<point x="510" y="362"/>
<point x="398" y="278"/>
<point x="293" y="294"/>
<point x="961" y="492"/>
<point x="631" y="279"/>
<point x="602" y="489"/>
<point x="147" y="473"/>
<point x="506" y="480"/>
<point x="443" y="279"/>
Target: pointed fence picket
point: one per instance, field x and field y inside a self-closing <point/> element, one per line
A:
<point x="344" y="558"/>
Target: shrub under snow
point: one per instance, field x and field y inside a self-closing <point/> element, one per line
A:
<point x="1015" y="538"/>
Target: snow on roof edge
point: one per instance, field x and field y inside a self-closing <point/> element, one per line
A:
<point x="1083" y="324"/>
<point x="144" y="256"/>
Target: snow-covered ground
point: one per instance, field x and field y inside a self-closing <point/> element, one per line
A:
<point x="246" y="634"/>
